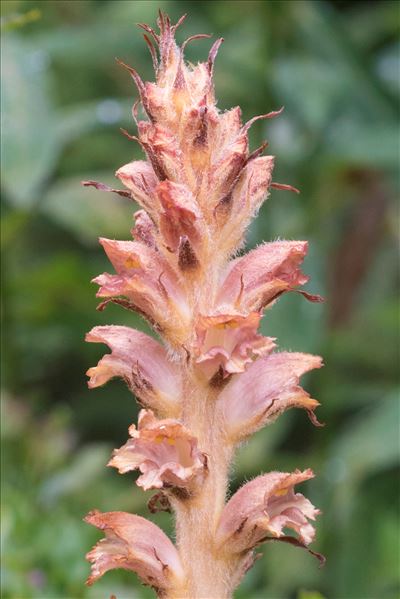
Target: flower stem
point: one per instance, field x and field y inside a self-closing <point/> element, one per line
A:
<point x="196" y="518"/>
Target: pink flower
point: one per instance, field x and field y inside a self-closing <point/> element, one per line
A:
<point x="164" y="452"/>
<point x="136" y="544"/>
<point x="142" y="363"/>
<point x="228" y="343"/>
<point x="255" y="280"/>
<point x="148" y="281"/>
<point x="264" y="507"/>
<point x="267" y="388"/>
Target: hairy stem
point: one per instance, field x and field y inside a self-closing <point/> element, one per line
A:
<point x="196" y="518"/>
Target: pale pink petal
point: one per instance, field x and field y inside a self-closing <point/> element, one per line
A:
<point x="228" y="343"/>
<point x="142" y="362"/>
<point x="134" y="543"/>
<point x="148" y="281"/>
<point x="257" y="278"/>
<point x="165" y="453"/>
<point x="265" y="390"/>
<point x="229" y="126"/>
<point x="262" y="508"/>
<point x="140" y="179"/>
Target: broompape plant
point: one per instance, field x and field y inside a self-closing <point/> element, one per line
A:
<point x="212" y="380"/>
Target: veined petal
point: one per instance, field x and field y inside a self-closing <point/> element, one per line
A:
<point x="165" y="453"/>
<point x="263" y="274"/>
<point x="227" y="343"/>
<point x="144" y="265"/>
<point x="262" y="508"/>
<point x="142" y="362"/>
<point x="134" y="543"/>
<point x="267" y="388"/>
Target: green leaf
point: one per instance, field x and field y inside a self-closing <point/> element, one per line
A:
<point x="30" y="144"/>
<point x="86" y="212"/>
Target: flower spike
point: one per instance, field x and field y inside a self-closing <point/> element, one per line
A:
<point x="212" y="379"/>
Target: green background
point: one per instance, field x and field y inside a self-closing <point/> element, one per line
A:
<point x="333" y="65"/>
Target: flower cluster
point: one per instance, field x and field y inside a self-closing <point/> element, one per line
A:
<point x="212" y="380"/>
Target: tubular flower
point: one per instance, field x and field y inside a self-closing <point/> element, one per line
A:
<point x="134" y="543"/>
<point x="141" y="362"/>
<point x="212" y="379"/>
<point x="265" y="506"/>
<point x="165" y="453"/>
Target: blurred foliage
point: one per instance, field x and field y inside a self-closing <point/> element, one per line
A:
<point x="334" y="65"/>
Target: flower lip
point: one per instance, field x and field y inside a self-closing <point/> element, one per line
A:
<point x="165" y="453"/>
<point x="229" y="342"/>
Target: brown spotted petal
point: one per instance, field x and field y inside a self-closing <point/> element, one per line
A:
<point x="180" y="215"/>
<point x="162" y="150"/>
<point x="142" y="362"/>
<point x="259" y="277"/>
<point x="165" y="453"/>
<point x="147" y="280"/>
<point x="228" y="343"/>
<point x="225" y="170"/>
<point x="263" y="508"/>
<point x="267" y="388"/>
<point x="134" y="543"/>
